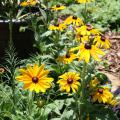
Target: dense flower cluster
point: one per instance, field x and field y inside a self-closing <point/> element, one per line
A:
<point x="87" y="45"/>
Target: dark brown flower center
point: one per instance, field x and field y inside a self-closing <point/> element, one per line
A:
<point x="35" y="80"/>
<point x="67" y="55"/>
<point x="69" y="80"/>
<point x="81" y="35"/>
<point x="87" y="46"/>
<point x="74" y="17"/>
<point x="100" y="91"/>
<point x="57" y="25"/>
<point x="89" y="27"/>
<point x="58" y="6"/>
<point x="103" y="38"/>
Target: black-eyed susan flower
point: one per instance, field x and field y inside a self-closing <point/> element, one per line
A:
<point x="94" y="83"/>
<point x="35" y="78"/>
<point x="84" y="1"/>
<point x="58" y="7"/>
<point x="87" y="30"/>
<point x="102" y="41"/>
<point x="69" y="81"/>
<point x="28" y="3"/>
<point x="59" y="27"/>
<point x="81" y="38"/>
<point x="73" y="20"/>
<point x="85" y="51"/>
<point x="102" y="95"/>
<point x="67" y="58"/>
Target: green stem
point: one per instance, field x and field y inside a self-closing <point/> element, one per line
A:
<point x="30" y="102"/>
<point x="83" y="86"/>
<point x="85" y="13"/>
<point x="12" y="69"/>
<point x="10" y="29"/>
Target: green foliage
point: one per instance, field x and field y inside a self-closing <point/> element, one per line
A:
<point x="106" y="14"/>
<point x="8" y="8"/>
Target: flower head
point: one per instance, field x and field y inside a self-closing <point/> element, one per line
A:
<point x="81" y="38"/>
<point x="73" y="20"/>
<point x="87" y="30"/>
<point x="102" y="95"/>
<point x="28" y="3"/>
<point x="85" y="51"/>
<point x="68" y="81"/>
<point x="58" y="7"/>
<point x="102" y="41"/>
<point x="59" y="27"/>
<point x="35" y="78"/>
<point x="67" y="58"/>
<point x="84" y="1"/>
<point x="94" y="83"/>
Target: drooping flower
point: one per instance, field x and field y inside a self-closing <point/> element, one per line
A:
<point x="73" y="20"/>
<point x="67" y="58"/>
<point x="28" y="3"/>
<point x="101" y="41"/>
<point x="59" y="27"/>
<point x="85" y="51"/>
<point x="69" y="81"/>
<point x="102" y="95"/>
<point x="84" y="1"/>
<point x="35" y="78"/>
<point x="58" y="7"/>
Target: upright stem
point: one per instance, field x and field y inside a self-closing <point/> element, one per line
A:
<point x="30" y="103"/>
<point x="82" y="89"/>
<point x="85" y="13"/>
<point x="10" y="29"/>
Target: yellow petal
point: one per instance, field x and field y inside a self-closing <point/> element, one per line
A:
<point x="67" y="88"/>
<point x="87" y="56"/>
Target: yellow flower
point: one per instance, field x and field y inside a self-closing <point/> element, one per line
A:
<point x="102" y="95"/>
<point x="81" y="38"/>
<point x="84" y="1"/>
<point x="67" y="58"/>
<point x="87" y="30"/>
<point x="58" y="7"/>
<point x="68" y="81"/>
<point x="113" y="102"/>
<point x="35" y="78"/>
<point x="94" y="83"/>
<point x="85" y="51"/>
<point x="59" y="27"/>
<point x="28" y="3"/>
<point x="73" y="20"/>
<point x="101" y="41"/>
